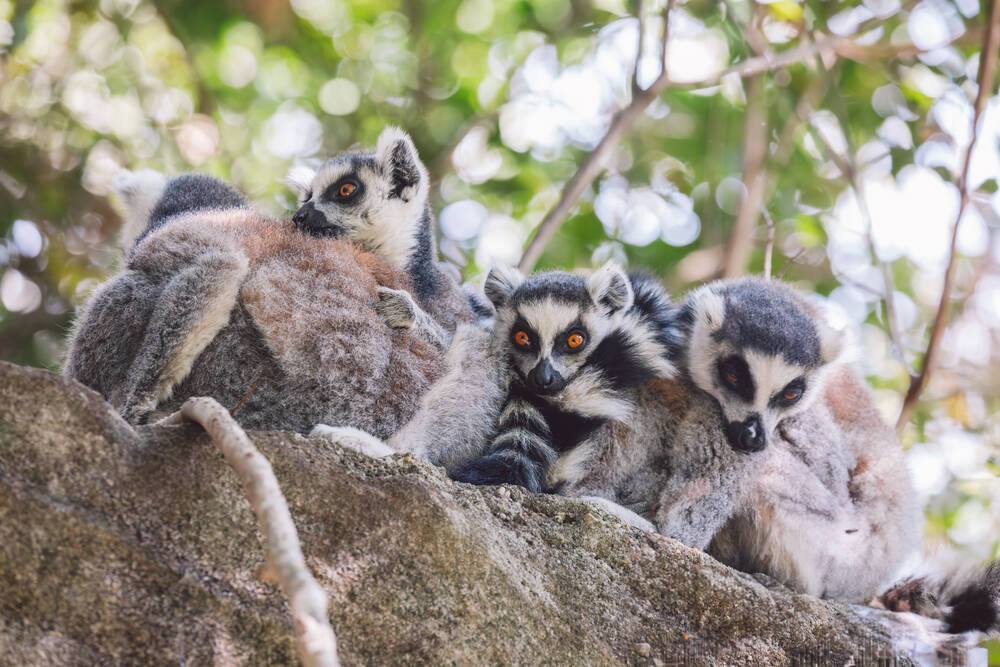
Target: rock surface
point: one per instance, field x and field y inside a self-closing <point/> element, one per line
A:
<point x="122" y="545"/>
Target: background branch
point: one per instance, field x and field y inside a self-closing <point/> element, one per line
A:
<point x="593" y="164"/>
<point x="987" y="68"/>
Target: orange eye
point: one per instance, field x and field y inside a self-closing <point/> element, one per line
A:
<point x="790" y="395"/>
<point x="731" y="378"/>
<point x="522" y="338"/>
<point x="347" y="189"/>
<point x="574" y="341"/>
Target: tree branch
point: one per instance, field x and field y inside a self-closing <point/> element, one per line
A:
<point x="594" y="162"/>
<point x="736" y="252"/>
<point x="623" y="120"/>
<point x="769" y="246"/>
<point x="640" y="14"/>
<point x="314" y="638"/>
<point x="987" y="67"/>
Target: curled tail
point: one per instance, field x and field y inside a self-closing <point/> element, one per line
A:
<point x="964" y="602"/>
<point x="521" y="453"/>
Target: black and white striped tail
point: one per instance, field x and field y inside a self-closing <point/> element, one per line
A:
<point x="521" y="453"/>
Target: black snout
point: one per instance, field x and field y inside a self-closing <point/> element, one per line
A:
<point x="310" y="220"/>
<point x="747" y="435"/>
<point x="544" y="379"/>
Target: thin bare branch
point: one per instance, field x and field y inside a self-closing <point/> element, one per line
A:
<point x="314" y="638"/>
<point x="769" y="246"/>
<point x="987" y="68"/>
<point x="790" y="263"/>
<point x="848" y="166"/>
<point x="623" y="120"/>
<point x="594" y="163"/>
<point x="640" y="14"/>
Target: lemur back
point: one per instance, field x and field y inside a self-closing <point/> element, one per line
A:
<point x="573" y="346"/>
<point x="379" y="200"/>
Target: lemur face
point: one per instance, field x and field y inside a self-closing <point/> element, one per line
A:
<point x="551" y="322"/>
<point x="377" y="199"/>
<point x="761" y="352"/>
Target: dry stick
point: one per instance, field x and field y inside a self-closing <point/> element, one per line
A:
<point x="640" y="14"/>
<point x="848" y="167"/>
<point x="790" y="263"/>
<point x="987" y="67"/>
<point x="769" y="246"/>
<point x="314" y="638"/>
<point x="737" y="248"/>
<point x="594" y="162"/>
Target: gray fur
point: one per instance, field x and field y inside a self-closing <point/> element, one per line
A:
<point x="829" y="508"/>
<point x="274" y="324"/>
<point x="388" y="214"/>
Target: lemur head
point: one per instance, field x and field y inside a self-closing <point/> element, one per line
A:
<point x="553" y="322"/>
<point x="762" y="351"/>
<point x="377" y="199"/>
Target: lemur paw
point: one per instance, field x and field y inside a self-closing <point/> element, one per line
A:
<point x="353" y="438"/>
<point x="396" y="307"/>
<point x="622" y="513"/>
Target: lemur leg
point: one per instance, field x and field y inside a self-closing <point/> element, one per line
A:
<point x="623" y="513"/>
<point x="400" y="311"/>
<point x="192" y="308"/>
<point x="456" y="415"/>
<point x="353" y="438"/>
<point x="108" y="332"/>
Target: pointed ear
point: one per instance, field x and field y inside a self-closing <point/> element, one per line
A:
<point x="501" y="283"/>
<point x="610" y="288"/>
<point x="709" y="308"/>
<point x="834" y="344"/>
<point x="398" y="156"/>
<point x="299" y="178"/>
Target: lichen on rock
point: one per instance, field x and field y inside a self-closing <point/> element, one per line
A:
<point x="136" y="545"/>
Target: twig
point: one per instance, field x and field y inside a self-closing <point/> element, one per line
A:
<point x="987" y="67"/>
<point x="769" y="246"/>
<point x="594" y="162"/>
<point x="790" y="263"/>
<point x="737" y="248"/>
<point x="640" y="14"/>
<point x="314" y="638"/>
<point x="849" y="169"/>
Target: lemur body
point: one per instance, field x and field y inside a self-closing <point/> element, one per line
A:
<point x="279" y="325"/>
<point x="380" y="201"/>
<point x="573" y="346"/>
<point x="830" y="509"/>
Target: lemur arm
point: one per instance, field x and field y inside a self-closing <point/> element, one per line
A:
<point x="456" y="415"/>
<point x="193" y="306"/>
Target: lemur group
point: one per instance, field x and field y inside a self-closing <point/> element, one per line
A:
<point x="731" y="419"/>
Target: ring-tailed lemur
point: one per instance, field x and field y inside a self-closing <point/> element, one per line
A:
<point x="573" y="346"/>
<point x="830" y="510"/>
<point x="380" y="200"/>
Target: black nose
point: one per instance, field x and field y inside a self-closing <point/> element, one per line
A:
<point x="747" y="435"/>
<point x="308" y="219"/>
<point x="545" y="379"/>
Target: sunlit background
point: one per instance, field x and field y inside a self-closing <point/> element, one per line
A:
<point x="504" y="100"/>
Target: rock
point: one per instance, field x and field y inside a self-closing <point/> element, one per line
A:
<point x="122" y="545"/>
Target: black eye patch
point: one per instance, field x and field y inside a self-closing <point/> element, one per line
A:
<point x="345" y="191"/>
<point x="790" y="395"/>
<point x="523" y="337"/>
<point x="734" y="376"/>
